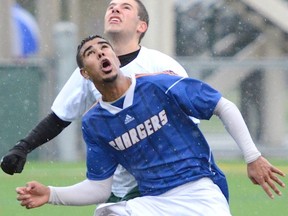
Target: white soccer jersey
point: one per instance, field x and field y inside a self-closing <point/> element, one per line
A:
<point x="79" y="94"/>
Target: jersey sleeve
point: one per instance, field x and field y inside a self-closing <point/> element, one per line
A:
<point x="195" y="97"/>
<point x="77" y="95"/>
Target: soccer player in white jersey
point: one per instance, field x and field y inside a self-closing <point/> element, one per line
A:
<point x="152" y="136"/>
<point x="126" y="22"/>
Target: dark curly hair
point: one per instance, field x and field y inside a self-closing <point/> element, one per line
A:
<point x="85" y="40"/>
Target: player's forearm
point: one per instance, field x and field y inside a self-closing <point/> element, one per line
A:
<point x="86" y="192"/>
<point x="237" y="128"/>
<point x="46" y="130"/>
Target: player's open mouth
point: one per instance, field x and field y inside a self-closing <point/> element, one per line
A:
<point x="106" y="65"/>
<point x="114" y="20"/>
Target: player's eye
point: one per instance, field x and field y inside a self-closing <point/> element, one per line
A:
<point x="90" y="52"/>
<point x="111" y="7"/>
<point x="104" y="46"/>
<point x="127" y="6"/>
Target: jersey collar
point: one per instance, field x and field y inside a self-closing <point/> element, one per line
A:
<point x="128" y="100"/>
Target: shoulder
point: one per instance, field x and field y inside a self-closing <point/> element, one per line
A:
<point x="160" y="61"/>
<point x="157" y="75"/>
<point x="169" y="79"/>
<point x="158" y="78"/>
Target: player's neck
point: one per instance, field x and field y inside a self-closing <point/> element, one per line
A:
<point x="117" y="89"/>
<point x="123" y="46"/>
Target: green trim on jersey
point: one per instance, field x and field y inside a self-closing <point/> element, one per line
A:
<point x="131" y="194"/>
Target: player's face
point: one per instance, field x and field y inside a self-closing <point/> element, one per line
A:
<point x="100" y="61"/>
<point x="122" y="17"/>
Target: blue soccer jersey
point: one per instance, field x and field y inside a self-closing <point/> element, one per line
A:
<point x="150" y="133"/>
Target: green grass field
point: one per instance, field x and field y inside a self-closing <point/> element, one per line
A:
<point x="246" y="199"/>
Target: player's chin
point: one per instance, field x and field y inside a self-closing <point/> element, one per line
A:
<point x="113" y="30"/>
<point x="110" y="77"/>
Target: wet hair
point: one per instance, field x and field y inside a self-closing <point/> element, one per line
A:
<point x="143" y="16"/>
<point x="79" y="59"/>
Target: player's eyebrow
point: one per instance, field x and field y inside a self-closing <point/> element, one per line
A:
<point x="87" y="49"/>
<point x="91" y="46"/>
<point x="104" y="42"/>
<point x="123" y="4"/>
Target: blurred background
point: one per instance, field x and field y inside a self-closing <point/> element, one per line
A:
<point x="240" y="47"/>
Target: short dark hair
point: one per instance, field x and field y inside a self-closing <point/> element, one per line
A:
<point x="143" y="16"/>
<point x="79" y="59"/>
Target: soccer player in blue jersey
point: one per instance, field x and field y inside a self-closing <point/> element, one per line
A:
<point x="153" y="137"/>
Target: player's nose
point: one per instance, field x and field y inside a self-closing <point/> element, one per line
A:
<point x="100" y="54"/>
<point x="115" y="9"/>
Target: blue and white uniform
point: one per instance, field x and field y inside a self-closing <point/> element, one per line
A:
<point x="149" y="132"/>
<point x="79" y="94"/>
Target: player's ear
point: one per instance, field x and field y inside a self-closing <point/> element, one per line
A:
<point x="84" y="73"/>
<point x="142" y="27"/>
